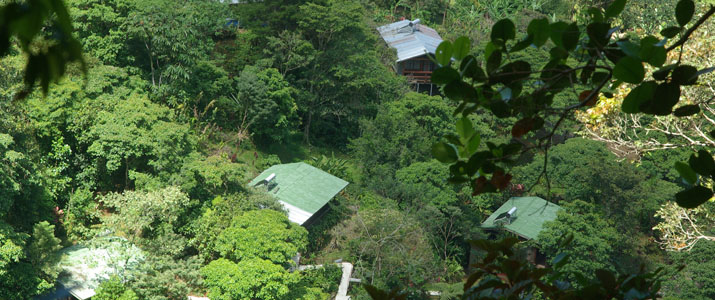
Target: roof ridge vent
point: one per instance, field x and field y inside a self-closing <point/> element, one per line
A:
<point x="414" y="23"/>
<point x="506" y="217"/>
<point x="268" y="181"/>
<point x="510" y="215"/>
<point x="512" y="211"/>
<point x="406" y="29"/>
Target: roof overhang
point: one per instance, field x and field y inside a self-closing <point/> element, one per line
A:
<point x="296" y="214"/>
<point x="301" y="188"/>
<point x="509" y="230"/>
<point x="410" y="40"/>
<point x="82" y="293"/>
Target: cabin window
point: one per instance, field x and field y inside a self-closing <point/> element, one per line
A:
<point x="419" y="64"/>
<point x="431" y="66"/>
<point x="412" y="65"/>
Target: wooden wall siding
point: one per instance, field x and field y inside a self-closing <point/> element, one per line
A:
<point x="418" y="70"/>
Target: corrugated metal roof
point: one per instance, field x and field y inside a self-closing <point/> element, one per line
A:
<point x="84" y="267"/>
<point x="301" y="188"/>
<point x="531" y="213"/>
<point x="410" y="41"/>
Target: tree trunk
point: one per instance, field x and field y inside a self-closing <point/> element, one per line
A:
<point x="306" y="130"/>
<point x="151" y="63"/>
<point x="126" y="173"/>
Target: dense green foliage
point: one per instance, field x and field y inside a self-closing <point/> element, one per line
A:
<point x="227" y="280"/>
<point x="696" y="280"/>
<point x="153" y="134"/>
<point x="264" y="234"/>
<point x="593" y="242"/>
<point x="401" y="133"/>
<point x="43" y="30"/>
<point x="113" y="289"/>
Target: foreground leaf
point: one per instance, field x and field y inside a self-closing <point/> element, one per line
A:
<point x="629" y="70"/>
<point x="693" y="197"/>
<point x="444" y="152"/>
<point x="684" y="11"/>
<point x="686" y="172"/>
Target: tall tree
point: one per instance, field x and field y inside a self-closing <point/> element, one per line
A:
<point x="401" y="133"/>
<point x="264" y="234"/>
<point x="101" y="28"/>
<point x="170" y="38"/>
<point x="345" y="80"/>
<point x="138" y="136"/>
<point x="42" y="252"/>
<point x="145" y="214"/>
<point x="290" y="51"/>
<point x="380" y="240"/>
<point x="591" y="248"/>
<point x="252" y="278"/>
<point x="263" y="105"/>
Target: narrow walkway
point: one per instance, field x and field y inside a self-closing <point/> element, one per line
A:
<point x="344" y="280"/>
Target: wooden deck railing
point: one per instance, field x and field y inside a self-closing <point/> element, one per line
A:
<point x="418" y="76"/>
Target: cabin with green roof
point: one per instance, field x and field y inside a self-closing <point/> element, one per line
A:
<point x="303" y="190"/>
<point x="524" y="217"/>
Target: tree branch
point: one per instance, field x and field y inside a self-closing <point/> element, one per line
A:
<point x="692" y="29"/>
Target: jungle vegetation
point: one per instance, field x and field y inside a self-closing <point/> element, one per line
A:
<point x="151" y="116"/>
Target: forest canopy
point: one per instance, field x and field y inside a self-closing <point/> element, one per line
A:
<point x="150" y="118"/>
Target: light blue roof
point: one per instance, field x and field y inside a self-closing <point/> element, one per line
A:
<point x="410" y="41"/>
<point x="84" y="266"/>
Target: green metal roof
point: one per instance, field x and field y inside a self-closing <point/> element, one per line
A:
<point x="530" y="215"/>
<point x="301" y="186"/>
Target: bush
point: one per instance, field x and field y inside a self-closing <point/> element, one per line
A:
<point x="252" y="278"/>
<point x="114" y="289"/>
<point x="326" y="278"/>
<point x="81" y="214"/>
<point x="265" y="234"/>
<point x="320" y="232"/>
<point x="268" y="161"/>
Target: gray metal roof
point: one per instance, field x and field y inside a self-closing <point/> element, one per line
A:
<point x="410" y="38"/>
<point x="84" y="267"/>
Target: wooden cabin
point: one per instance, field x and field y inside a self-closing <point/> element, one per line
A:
<point x="84" y="266"/>
<point x="302" y="189"/>
<point x="525" y="218"/>
<point x="414" y="43"/>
